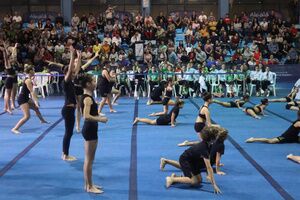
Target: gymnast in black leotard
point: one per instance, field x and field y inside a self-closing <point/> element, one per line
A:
<point x="202" y="120"/>
<point x="238" y="103"/>
<point x="166" y="99"/>
<point x="291" y="135"/>
<point x="194" y="159"/>
<point x="257" y="109"/>
<point x="26" y="103"/>
<point x="90" y="131"/>
<point x="104" y="88"/>
<point x="164" y="119"/>
<point x="9" y="83"/>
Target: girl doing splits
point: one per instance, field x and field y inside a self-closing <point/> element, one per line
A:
<point x="90" y="131"/>
<point x="289" y="136"/>
<point x="257" y="109"/>
<point x="27" y="103"/>
<point x="194" y="159"/>
<point x="164" y="119"/>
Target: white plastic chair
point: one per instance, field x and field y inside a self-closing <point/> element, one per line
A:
<point x="55" y="79"/>
<point x="41" y="80"/>
<point x="273" y="83"/>
<point x="214" y="81"/>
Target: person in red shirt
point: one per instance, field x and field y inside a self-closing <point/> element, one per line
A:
<point x="293" y="31"/>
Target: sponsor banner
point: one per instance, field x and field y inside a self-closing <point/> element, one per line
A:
<point x="286" y="73"/>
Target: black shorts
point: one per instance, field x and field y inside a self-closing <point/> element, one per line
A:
<point x="90" y="130"/>
<point x="198" y="126"/>
<point x="22" y="99"/>
<point x="9" y="81"/>
<point x="288" y="99"/>
<point x="283" y="139"/>
<point x="155" y="98"/>
<point x="250" y="108"/>
<point x="78" y="90"/>
<point x="165" y="101"/>
<point x="163" y="120"/>
<point x="233" y="104"/>
<point x="189" y="168"/>
<point x="104" y="91"/>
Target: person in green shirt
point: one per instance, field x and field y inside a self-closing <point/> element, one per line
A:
<point x="153" y="77"/>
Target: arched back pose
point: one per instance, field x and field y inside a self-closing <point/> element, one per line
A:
<point x="289" y="136"/>
<point x="238" y="103"/>
<point x="90" y="131"/>
<point x="216" y="152"/>
<point x="196" y="158"/>
<point x="27" y="103"/>
<point x="257" y="109"/>
<point x="104" y="88"/>
<point x="202" y="120"/>
<point x="164" y="119"/>
<point x="165" y="102"/>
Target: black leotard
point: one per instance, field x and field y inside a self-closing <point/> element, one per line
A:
<point x="90" y="128"/>
<point x="156" y="93"/>
<point x="166" y="119"/>
<point x="167" y="97"/>
<point x="69" y="90"/>
<point x="253" y="108"/>
<point x="24" y="94"/>
<point x="192" y="159"/>
<point x="233" y="104"/>
<point x="103" y="85"/>
<point x="198" y="126"/>
<point x="77" y="83"/>
<point x="202" y="115"/>
<point x="217" y="147"/>
<point x="291" y="134"/>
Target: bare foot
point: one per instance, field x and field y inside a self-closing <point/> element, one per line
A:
<point x="8" y="111"/>
<point x="183" y="144"/>
<point x="68" y="158"/>
<point x="113" y="111"/>
<point x="250" y="140"/>
<point x="45" y="122"/>
<point x="78" y="129"/>
<point x="162" y="164"/>
<point x="94" y="190"/>
<point x="15" y="131"/>
<point x="135" y="121"/>
<point x="169" y="181"/>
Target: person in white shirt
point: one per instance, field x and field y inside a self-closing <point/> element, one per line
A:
<point x="107" y="39"/>
<point x="116" y="39"/>
<point x="202" y="17"/>
<point x="267" y="78"/>
<point x="17" y="18"/>
<point x="75" y="21"/>
<point x="222" y="76"/>
<point x="297" y="88"/>
<point x="135" y="38"/>
<point x="255" y="77"/>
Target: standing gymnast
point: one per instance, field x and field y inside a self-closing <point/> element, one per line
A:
<point x="90" y="131"/>
<point x="104" y="88"/>
<point x="79" y="71"/>
<point x="238" y="103"/>
<point x="26" y="103"/>
<point x="164" y="119"/>
<point x="202" y="120"/>
<point x="68" y="110"/>
<point x="9" y="81"/>
<point x="257" y="109"/>
<point x="289" y="136"/>
<point x="196" y="158"/>
<point x="166" y="99"/>
<point x="216" y="152"/>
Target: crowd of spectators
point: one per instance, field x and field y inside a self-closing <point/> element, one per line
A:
<point x="229" y="44"/>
